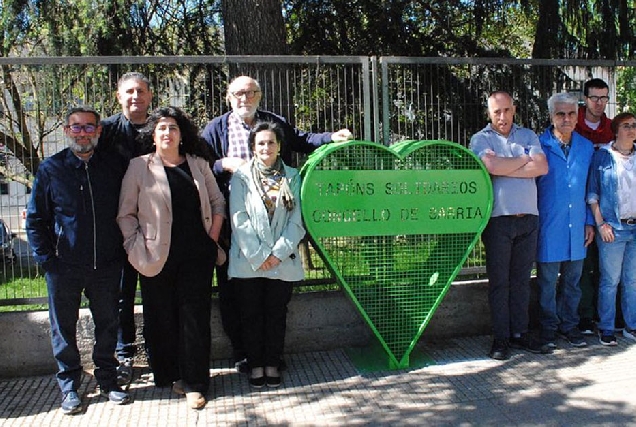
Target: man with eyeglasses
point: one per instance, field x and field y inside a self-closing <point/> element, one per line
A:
<point x="72" y="230"/>
<point x="594" y="125"/>
<point x="227" y="136"/>
<point x="566" y="225"/>
<point x="119" y="135"/>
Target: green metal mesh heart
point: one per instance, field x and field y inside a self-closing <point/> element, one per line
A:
<point x="395" y="225"/>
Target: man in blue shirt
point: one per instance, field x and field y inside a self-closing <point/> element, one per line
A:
<point x="514" y="158"/>
<point x="566" y="225"/>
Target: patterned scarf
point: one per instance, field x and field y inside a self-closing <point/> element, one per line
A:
<point x="272" y="179"/>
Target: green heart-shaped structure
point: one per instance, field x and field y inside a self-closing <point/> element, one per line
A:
<point x="395" y="225"/>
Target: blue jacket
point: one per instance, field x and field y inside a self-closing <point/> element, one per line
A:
<point x="71" y="217"/>
<point x="254" y="238"/>
<point x="563" y="212"/>
<point x="602" y="186"/>
<point x="216" y="135"/>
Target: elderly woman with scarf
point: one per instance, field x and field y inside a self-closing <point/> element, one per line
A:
<point x="264" y="261"/>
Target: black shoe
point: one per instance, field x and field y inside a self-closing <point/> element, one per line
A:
<point x="499" y="350"/>
<point x="257" y="382"/>
<point x="527" y="343"/>
<point x="574" y="337"/>
<point x="548" y="338"/>
<point x="272" y="381"/>
<point x="607" y="339"/>
<point x="125" y="372"/>
<point x="242" y="367"/>
<point x="116" y="395"/>
<point x="71" y="404"/>
<point x="586" y="326"/>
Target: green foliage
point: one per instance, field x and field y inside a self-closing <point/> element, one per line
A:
<point x="626" y="89"/>
<point x="21" y="282"/>
<point x="407" y="28"/>
<point x="33" y="101"/>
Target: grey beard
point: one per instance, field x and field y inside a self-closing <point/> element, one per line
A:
<point x="81" y="149"/>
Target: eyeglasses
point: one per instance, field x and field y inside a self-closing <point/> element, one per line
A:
<point x="602" y="99"/>
<point x="628" y="126"/>
<point x="80" y="128"/>
<point x="249" y="94"/>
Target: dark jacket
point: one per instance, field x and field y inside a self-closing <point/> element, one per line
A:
<point x="216" y="135"/>
<point x="119" y="135"/>
<point x="71" y="217"/>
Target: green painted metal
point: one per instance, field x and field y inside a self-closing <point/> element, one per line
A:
<point x="395" y="225"/>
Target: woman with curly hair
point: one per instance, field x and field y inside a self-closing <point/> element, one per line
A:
<point x="170" y="213"/>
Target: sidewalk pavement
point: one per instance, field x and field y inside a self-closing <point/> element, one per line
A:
<point x="595" y="385"/>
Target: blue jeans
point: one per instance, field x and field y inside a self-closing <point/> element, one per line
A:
<point x="617" y="263"/>
<point x="559" y="305"/>
<point x="511" y="247"/>
<point x="65" y="285"/>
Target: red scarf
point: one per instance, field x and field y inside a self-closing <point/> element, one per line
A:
<point x="599" y="136"/>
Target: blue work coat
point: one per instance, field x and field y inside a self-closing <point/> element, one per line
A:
<point x="563" y="212"/>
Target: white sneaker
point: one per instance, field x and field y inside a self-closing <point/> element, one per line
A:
<point x="629" y="334"/>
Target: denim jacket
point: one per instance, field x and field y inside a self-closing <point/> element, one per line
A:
<point x="602" y="186"/>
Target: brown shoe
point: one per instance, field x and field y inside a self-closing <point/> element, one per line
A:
<point x="195" y="399"/>
<point x="177" y="387"/>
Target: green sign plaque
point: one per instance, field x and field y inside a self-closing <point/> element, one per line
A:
<point x="395" y="225"/>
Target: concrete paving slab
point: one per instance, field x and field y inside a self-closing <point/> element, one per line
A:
<point x="588" y="386"/>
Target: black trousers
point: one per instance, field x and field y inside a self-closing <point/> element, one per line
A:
<point x="263" y="318"/>
<point x="230" y="310"/>
<point x="177" y="304"/>
<point x="127" y="333"/>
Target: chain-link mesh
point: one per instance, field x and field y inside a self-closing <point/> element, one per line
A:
<point x="395" y="226"/>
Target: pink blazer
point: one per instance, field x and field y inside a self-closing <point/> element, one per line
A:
<point x="145" y="209"/>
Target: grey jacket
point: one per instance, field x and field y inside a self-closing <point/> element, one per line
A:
<point x="254" y="238"/>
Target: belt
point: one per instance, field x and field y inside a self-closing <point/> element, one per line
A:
<point x="516" y="215"/>
<point x="628" y="221"/>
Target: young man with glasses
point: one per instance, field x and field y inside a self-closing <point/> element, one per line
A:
<point x="592" y="122"/>
<point x="594" y="125"/>
<point x="227" y="135"/>
<point x="72" y="230"/>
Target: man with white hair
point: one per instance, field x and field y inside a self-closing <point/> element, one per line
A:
<point x="566" y="225"/>
<point x="227" y="136"/>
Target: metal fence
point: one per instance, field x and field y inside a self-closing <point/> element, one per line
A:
<point x="384" y="99"/>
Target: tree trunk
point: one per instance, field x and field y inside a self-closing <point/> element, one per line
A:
<point x="254" y="27"/>
<point x="548" y="37"/>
